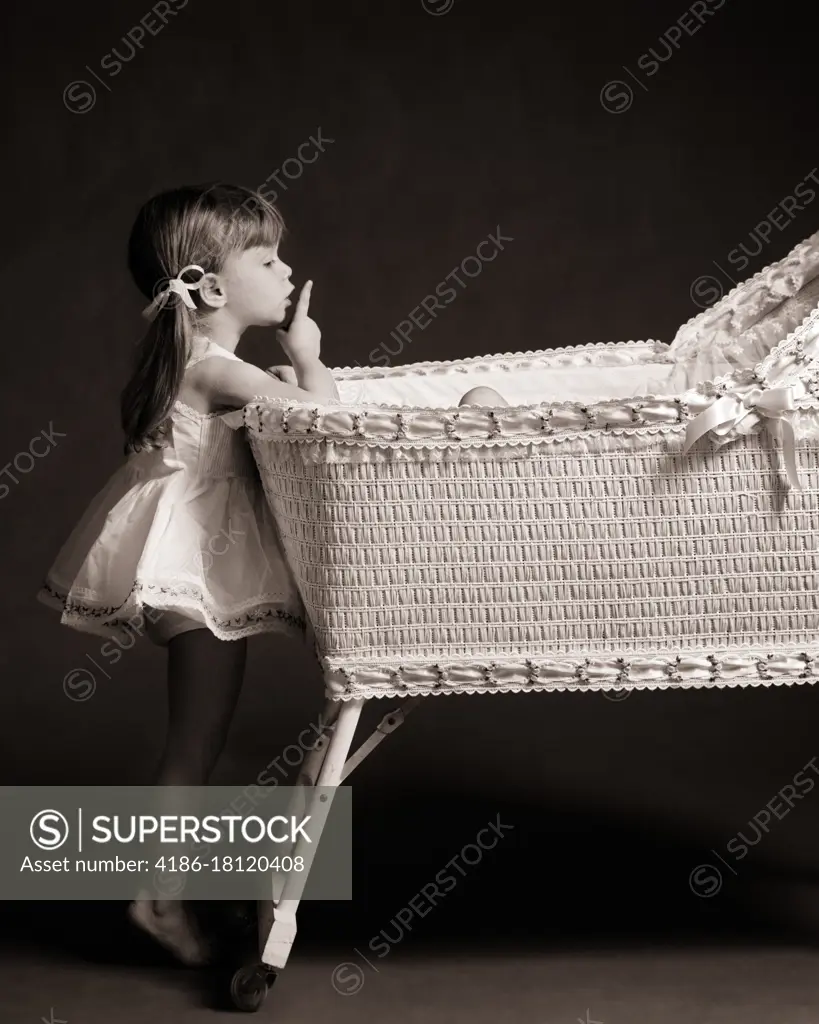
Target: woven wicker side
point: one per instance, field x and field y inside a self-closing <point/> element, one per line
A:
<point x="583" y="560"/>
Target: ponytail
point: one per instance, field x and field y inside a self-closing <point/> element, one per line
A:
<point x="159" y="366"/>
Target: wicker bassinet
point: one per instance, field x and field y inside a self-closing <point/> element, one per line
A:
<point x="565" y="542"/>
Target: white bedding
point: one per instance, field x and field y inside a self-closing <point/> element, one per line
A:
<point x="534" y="386"/>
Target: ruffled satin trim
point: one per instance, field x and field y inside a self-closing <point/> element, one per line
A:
<point x="794" y="361"/>
<point x="735" y="318"/>
<point x="634" y="671"/>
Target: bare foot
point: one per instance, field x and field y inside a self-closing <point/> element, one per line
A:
<point x="172" y="928"/>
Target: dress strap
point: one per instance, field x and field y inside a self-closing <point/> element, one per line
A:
<point x="204" y="348"/>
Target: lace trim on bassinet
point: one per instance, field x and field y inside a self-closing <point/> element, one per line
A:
<point x="289" y="420"/>
<point x="590" y="354"/>
<point x="796" y="271"/>
<point x="642" y="671"/>
<point x="246" y="620"/>
<point x="383" y="424"/>
<point x="435" y="428"/>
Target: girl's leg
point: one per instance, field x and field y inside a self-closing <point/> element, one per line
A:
<point x="204" y="679"/>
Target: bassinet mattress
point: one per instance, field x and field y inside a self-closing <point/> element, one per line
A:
<point x="561" y="543"/>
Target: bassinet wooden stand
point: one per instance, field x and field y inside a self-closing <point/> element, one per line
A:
<point x="327" y="765"/>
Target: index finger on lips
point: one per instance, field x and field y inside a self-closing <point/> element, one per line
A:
<point x="304" y="301"/>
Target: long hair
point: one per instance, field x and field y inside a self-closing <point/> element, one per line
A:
<point x="199" y="224"/>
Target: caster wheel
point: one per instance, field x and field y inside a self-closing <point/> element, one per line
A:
<point x="248" y="987"/>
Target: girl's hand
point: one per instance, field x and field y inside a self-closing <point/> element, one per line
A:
<point x="285" y="373"/>
<point x="302" y="342"/>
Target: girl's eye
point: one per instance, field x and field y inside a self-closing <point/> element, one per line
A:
<point x="269" y="263"/>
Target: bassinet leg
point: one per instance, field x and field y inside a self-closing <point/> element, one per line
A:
<point x="283" y="931"/>
<point x="305" y="780"/>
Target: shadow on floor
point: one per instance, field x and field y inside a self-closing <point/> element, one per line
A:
<point x="553" y="879"/>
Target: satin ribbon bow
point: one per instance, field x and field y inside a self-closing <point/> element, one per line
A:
<point x="729" y="411"/>
<point x="176" y="286"/>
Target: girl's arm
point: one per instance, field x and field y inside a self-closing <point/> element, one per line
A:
<point x="289" y="376"/>
<point x="225" y="382"/>
<point x="285" y="373"/>
<point x="232" y="384"/>
<point x="313" y="376"/>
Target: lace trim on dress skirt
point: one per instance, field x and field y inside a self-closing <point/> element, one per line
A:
<point x="122" y="621"/>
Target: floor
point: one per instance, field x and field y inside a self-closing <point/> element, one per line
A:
<point x="84" y="964"/>
<point x="611" y="933"/>
<point x="715" y="984"/>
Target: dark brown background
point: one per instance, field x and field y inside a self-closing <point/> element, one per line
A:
<point x="444" y="128"/>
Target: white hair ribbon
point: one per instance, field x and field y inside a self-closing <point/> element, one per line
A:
<point x="732" y="409"/>
<point x="175" y="286"/>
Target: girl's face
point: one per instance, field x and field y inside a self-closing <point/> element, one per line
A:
<point x="255" y="285"/>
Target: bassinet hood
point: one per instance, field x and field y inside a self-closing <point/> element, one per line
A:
<point x="757" y="314"/>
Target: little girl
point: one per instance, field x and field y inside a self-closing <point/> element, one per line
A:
<point x="180" y="542"/>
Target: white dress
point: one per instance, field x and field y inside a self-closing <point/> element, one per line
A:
<point x="183" y="530"/>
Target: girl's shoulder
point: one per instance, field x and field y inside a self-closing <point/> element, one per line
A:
<point x="196" y="387"/>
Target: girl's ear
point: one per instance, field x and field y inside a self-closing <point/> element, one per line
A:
<point x="210" y="288"/>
